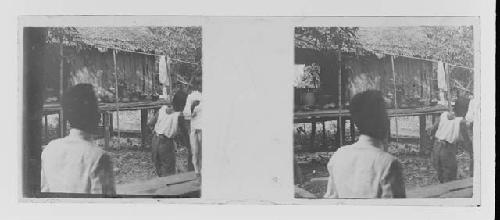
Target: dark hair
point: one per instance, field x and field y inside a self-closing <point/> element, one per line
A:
<point x="197" y="83"/>
<point x="79" y="105"/>
<point x="368" y="113"/>
<point x="461" y="106"/>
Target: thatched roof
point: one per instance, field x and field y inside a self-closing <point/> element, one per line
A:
<point x="126" y="38"/>
<point x="450" y="44"/>
<point x="406" y="41"/>
<point x="182" y="43"/>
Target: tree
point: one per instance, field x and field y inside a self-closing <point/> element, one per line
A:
<point x="326" y="38"/>
<point x="451" y="44"/>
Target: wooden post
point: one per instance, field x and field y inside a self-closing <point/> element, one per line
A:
<point x="144" y="126"/>
<point x="324" y="134"/>
<point x="46" y="129"/>
<point x="62" y="122"/>
<point x="447" y="77"/>
<point x="340" y="123"/>
<point x="353" y="130"/>
<point x="116" y="98"/>
<point x="423" y="133"/>
<point x="110" y="116"/>
<point x="105" y="119"/>
<point x="169" y="75"/>
<point x="396" y="104"/>
<point x="313" y="132"/>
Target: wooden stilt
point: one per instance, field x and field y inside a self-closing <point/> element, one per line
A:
<point x="423" y="133"/>
<point x="105" y="119"/>
<point x="110" y="118"/>
<point x="353" y="130"/>
<point x="313" y="133"/>
<point x="144" y="127"/>
<point x="324" y="134"/>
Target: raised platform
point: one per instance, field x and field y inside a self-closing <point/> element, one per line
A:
<point x="123" y="106"/>
<point x="335" y="113"/>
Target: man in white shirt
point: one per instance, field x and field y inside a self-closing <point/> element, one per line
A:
<point x="163" y="146"/>
<point x="74" y="164"/>
<point x="192" y="112"/>
<point x="363" y="169"/>
<point x="449" y="131"/>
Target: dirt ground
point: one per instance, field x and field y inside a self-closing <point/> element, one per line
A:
<point x="133" y="163"/>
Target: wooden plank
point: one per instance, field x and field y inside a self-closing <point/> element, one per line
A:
<point x="302" y="193"/>
<point x="440" y="190"/>
<point x="176" y="184"/>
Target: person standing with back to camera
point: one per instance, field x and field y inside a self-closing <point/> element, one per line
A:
<point x="179" y="102"/>
<point x="74" y="164"/>
<point x="192" y="112"/>
<point x="363" y="169"/>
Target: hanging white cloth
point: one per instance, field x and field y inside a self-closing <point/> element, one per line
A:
<point x="162" y="68"/>
<point x="442" y="85"/>
<point x="441" y="76"/>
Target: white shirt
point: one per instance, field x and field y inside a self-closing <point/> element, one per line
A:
<point x="471" y="111"/>
<point x="448" y="130"/>
<point x="196" y="118"/>
<point x="193" y="96"/>
<point x="167" y="124"/>
<point x="364" y="170"/>
<point x="73" y="164"/>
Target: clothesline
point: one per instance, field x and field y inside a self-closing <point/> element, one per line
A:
<point x="144" y="53"/>
<point x="418" y="58"/>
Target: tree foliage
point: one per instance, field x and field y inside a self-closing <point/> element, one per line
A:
<point x="451" y="44"/>
<point x="326" y="38"/>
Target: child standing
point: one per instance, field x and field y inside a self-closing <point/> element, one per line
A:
<point x="163" y="147"/>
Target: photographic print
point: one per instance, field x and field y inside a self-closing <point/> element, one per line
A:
<point x="384" y="112"/>
<point x="112" y="111"/>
